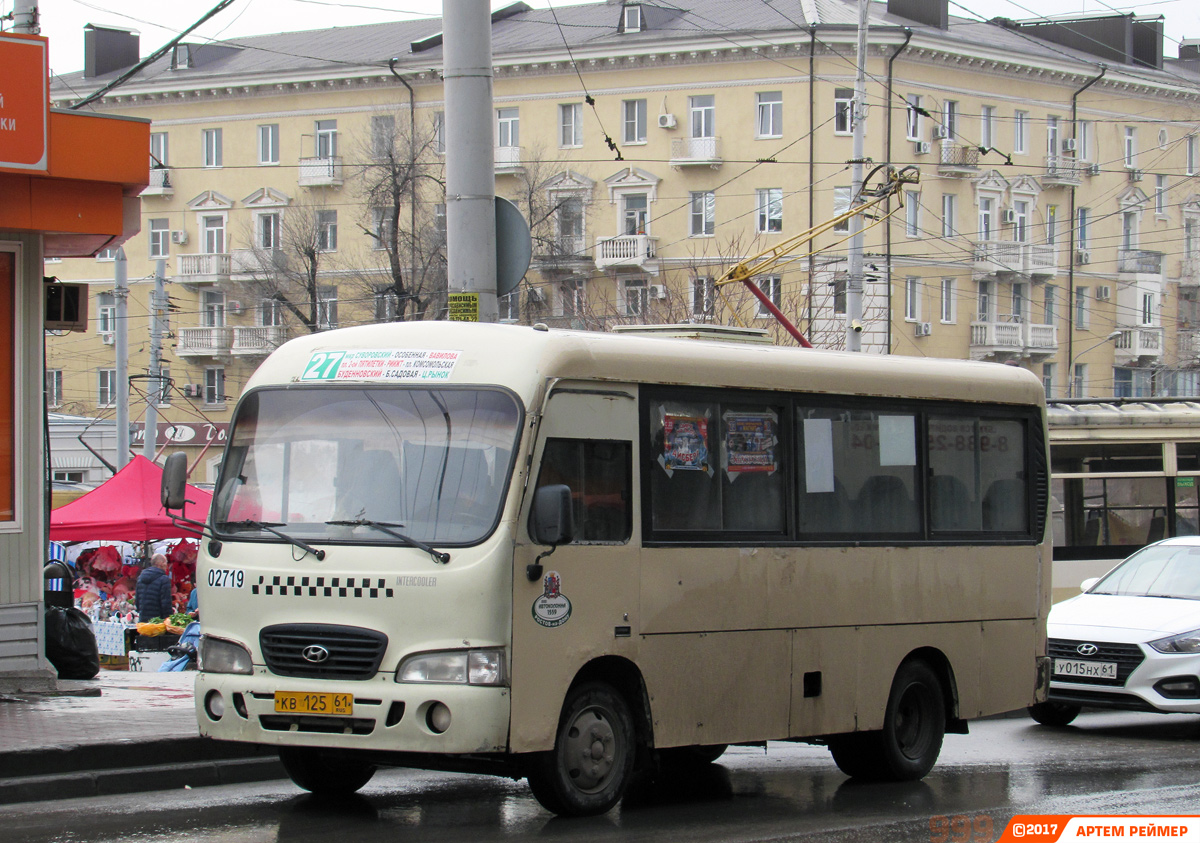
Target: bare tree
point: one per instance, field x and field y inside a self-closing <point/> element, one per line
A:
<point x="289" y="273"/>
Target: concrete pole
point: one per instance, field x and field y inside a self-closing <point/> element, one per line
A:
<point x="121" y="347"/>
<point x="470" y="163"/>
<point x="25" y="17"/>
<point x="150" y="440"/>
<point x="854" y="285"/>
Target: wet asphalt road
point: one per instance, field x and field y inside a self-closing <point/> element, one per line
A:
<point x="1104" y="763"/>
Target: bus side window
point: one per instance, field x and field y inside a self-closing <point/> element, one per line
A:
<point x="599" y="474"/>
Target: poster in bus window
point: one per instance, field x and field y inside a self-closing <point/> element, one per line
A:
<point x="685" y="444"/>
<point x="750" y="443"/>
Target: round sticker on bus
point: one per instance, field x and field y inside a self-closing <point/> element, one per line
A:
<point x="552" y="608"/>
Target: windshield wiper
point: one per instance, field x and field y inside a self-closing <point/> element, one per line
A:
<point x="385" y="527"/>
<point x="270" y="526"/>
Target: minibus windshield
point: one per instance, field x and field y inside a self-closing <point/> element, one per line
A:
<point x="324" y="463"/>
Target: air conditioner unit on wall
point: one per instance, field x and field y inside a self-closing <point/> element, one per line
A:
<point x="666" y="121"/>
<point x="234" y="307"/>
<point x="1103" y="292"/>
<point x="1009" y="216"/>
<point x="1083" y="257"/>
<point x="1135" y="175"/>
<point x="921" y="147"/>
<point x="1068" y="145"/>
<point x="922" y="329"/>
<point x="179" y="238"/>
<point x="192" y="390"/>
<point x="658" y="291"/>
<point x="108" y="338"/>
<point x="1093" y="169"/>
<point x="940" y="133"/>
<point x="537" y="294"/>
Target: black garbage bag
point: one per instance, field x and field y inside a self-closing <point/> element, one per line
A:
<point x="71" y="643"/>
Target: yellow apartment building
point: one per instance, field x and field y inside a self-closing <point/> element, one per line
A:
<point x="298" y="185"/>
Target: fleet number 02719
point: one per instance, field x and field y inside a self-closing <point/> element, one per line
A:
<point x="226" y="578"/>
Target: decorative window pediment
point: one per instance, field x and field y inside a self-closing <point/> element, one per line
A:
<point x="210" y="200"/>
<point x="991" y="182"/>
<point x="632" y="179"/>
<point x="266" y="197"/>
<point x="573" y="183"/>
<point x="1026" y="185"/>
<point x="1132" y="196"/>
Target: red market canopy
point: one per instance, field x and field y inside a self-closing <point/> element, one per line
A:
<point x="127" y="507"/>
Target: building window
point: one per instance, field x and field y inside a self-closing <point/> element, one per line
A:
<point x="569" y="220"/>
<point x="268" y="231"/>
<point x="948" y="309"/>
<point x="160" y="238"/>
<point x="1049" y="304"/>
<point x="770" y="114"/>
<point x="383" y="136"/>
<point x="508" y="127"/>
<point x="570" y="125"/>
<point x="772" y="286"/>
<point x="327" y="231"/>
<point x="1081" y="308"/>
<point x="1053" y="146"/>
<point x="912" y="213"/>
<point x="268" y="143"/>
<point x="1079" y="380"/>
<point x="1051" y="225"/>
<point x="212" y="147"/>
<point x="1020" y="132"/>
<point x="633" y="118"/>
<point x="987" y="213"/>
<point x="439" y="132"/>
<point x="704" y="116"/>
<point x="106" y="387"/>
<point x="214" y="385"/>
<point x="987" y="126"/>
<point x="1162" y="138"/>
<point x="913" y="117"/>
<point x="439" y="221"/>
<point x="1160" y="195"/>
<point x="770" y="210"/>
<point x="213" y="230"/>
<point x="1130" y="150"/>
<point x="703" y="294"/>
<point x="843" y="111"/>
<point x="839" y="295"/>
<point x="1129" y="233"/>
<point x="1147" y="308"/>
<point x="1048" y="379"/>
<point x="510" y="306"/>
<point x="383" y="232"/>
<point x="1081" y="228"/>
<point x="327" y="308"/>
<point x="1021" y="222"/>
<point x="950" y="118"/>
<point x="703" y="215"/>
<point x="270" y="313"/>
<point x="212" y="309"/>
<point x="326" y="139"/>
<point x="912" y="299"/>
<point x="636" y="294"/>
<point x="631" y="19"/>
<point x="106" y="313"/>
<point x="983" y="301"/>
<point x="387" y="304"/>
<point x="841" y="204"/>
<point x="1018" y="302"/>
<point x="1085" y="141"/>
<point x="159" y="150"/>
<point x="949" y="214"/>
<point x="572" y="297"/>
<point x="1190" y="155"/>
<point x="54" y="387"/>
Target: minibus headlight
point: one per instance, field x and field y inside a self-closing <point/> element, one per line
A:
<point x="220" y="656"/>
<point x="454" y="667"/>
<point x="1187" y="643"/>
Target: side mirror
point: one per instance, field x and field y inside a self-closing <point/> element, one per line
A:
<point x="552" y="521"/>
<point x="1087" y="584"/>
<point x="174" y="481"/>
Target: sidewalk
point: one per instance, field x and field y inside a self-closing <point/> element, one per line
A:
<point x="122" y="732"/>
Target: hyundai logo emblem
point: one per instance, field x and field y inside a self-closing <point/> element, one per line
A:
<point x="1082" y="649"/>
<point x="315" y="653"/>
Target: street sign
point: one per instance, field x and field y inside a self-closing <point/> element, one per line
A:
<point x="24" y="103"/>
<point x="463" y="307"/>
<point x="514" y="246"/>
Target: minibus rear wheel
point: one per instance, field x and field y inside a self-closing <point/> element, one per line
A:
<point x="594" y="750"/>
<point x="325" y="772"/>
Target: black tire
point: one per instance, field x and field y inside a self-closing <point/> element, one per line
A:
<point x="691" y="757"/>
<point x="914" y="724"/>
<point x="592" y="761"/>
<point x="325" y="772"/>
<point x="1053" y="713"/>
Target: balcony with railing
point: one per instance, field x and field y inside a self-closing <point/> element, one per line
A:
<point x="325" y="171"/>
<point x="1139" y="264"/>
<point x="256" y="340"/>
<point x="202" y="269"/>
<point x="1138" y="345"/>
<point x="160" y="183"/>
<point x="1042" y="261"/>
<point x="563" y="251"/>
<point x="1062" y="171"/>
<point x="999" y="257"/>
<point x="1189" y="271"/>
<point x="508" y="160"/>
<point x="1009" y="337"/>
<point x="203" y="342"/>
<point x="625" y="250"/>
<point x="958" y="160"/>
<point x="696" y="152"/>
<point x="249" y="263"/>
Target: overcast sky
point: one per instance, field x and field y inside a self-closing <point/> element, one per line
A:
<point x="160" y="20"/>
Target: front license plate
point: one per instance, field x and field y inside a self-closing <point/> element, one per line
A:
<point x="1085" y="670"/>
<point x="295" y="702"/>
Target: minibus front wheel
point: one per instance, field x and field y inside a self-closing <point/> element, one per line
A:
<point x="592" y="761"/>
<point x="325" y="772"/>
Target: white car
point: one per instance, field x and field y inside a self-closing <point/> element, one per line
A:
<point x="1131" y="640"/>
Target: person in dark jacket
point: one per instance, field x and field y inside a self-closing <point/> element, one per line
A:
<point x="154" y="590"/>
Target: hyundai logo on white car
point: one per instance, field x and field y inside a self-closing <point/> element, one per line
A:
<point x="315" y="653"/>
<point x="1131" y="640"/>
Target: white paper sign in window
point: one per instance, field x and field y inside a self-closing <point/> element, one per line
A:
<point x="818" y="455"/>
<point x="897" y="440"/>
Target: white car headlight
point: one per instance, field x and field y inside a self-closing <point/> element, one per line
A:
<point x="1187" y="643"/>
<point x="220" y="656"/>
<point x="454" y="667"/>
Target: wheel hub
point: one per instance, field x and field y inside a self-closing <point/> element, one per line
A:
<point x="590" y="750"/>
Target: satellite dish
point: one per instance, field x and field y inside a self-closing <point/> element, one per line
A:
<point x="514" y="246"/>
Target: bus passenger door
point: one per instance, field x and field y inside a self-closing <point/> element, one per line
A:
<point x="584" y="604"/>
